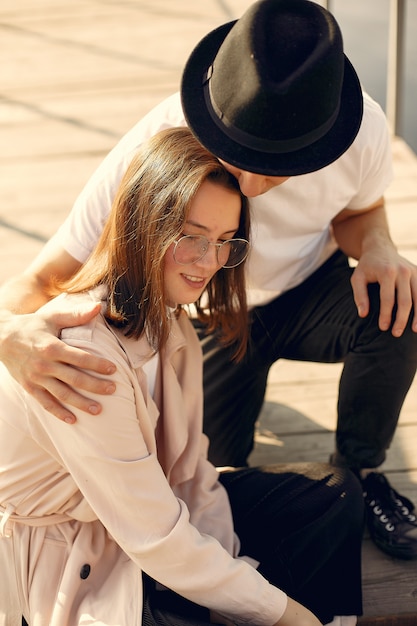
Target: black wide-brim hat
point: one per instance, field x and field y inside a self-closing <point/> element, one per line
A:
<point x="273" y="93"/>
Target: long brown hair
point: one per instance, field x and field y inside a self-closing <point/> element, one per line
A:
<point x="147" y="216"/>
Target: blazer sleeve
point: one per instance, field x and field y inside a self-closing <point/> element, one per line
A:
<point x="208" y="503"/>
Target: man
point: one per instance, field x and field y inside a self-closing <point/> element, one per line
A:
<point x="274" y="97"/>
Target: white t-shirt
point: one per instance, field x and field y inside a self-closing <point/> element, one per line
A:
<point x="290" y="235"/>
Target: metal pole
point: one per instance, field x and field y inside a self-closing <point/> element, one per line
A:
<point x="395" y="69"/>
<point x="325" y="4"/>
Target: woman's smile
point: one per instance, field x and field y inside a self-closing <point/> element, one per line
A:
<point x="197" y="280"/>
<point x="214" y="213"/>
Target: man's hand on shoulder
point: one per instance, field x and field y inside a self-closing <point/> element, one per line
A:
<point x="51" y="371"/>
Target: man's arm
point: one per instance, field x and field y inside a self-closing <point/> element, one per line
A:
<point x="364" y="235"/>
<point x="29" y="346"/>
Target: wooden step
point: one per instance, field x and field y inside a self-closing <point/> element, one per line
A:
<point x="389" y="620"/>
<point x="389" y="589"/>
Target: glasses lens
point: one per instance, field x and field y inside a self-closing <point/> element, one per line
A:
<point x="189" y="249"/>
<point x="233" y="252"/>
<point x="192" y="248"/>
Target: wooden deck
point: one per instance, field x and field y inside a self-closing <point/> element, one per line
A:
<point x="77" y="74"/>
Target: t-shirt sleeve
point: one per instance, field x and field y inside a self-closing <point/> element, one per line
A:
<point x="372" y="152"/>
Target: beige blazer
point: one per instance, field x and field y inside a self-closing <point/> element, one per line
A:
<point x="86" y="508"/>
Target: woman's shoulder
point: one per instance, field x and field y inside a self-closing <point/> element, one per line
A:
<point x="77" y="303"/>
<point x="94" y="336"/>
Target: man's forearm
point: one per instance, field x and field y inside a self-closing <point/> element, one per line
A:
<point x="361" y="231"/>
<point x="21" y="294"/>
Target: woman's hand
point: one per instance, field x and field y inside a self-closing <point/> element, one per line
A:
<point x="46" y="367"/>
<point x="297" y="615"/>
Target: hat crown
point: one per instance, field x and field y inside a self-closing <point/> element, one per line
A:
<point x="273" y="93"/>
<point x="276" y="81"/>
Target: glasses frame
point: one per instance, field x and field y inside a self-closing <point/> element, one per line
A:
<point x="209" y="243"/>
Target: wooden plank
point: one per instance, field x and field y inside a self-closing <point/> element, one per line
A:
<point x="389" y="585"/>
<point x="389" y="620"/>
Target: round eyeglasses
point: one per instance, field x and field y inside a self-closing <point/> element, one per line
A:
<point x="189" y="249"/>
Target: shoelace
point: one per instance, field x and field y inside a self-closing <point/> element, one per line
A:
<point x="374" y="505"/>
<point x="404" y="510"/>
<point x="387" y="505"/>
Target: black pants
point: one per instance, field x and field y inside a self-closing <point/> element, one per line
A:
<point x="316" y="321"/>
<point x="303" y="523"/>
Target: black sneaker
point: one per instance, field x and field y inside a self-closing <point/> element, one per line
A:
<point x="390" y="518"/>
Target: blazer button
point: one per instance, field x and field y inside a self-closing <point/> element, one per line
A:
<point x="85" y="571"/>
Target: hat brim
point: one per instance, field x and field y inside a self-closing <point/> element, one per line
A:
<point x="308" y="159"/>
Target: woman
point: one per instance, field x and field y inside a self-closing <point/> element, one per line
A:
<point x="120" y="519"/>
